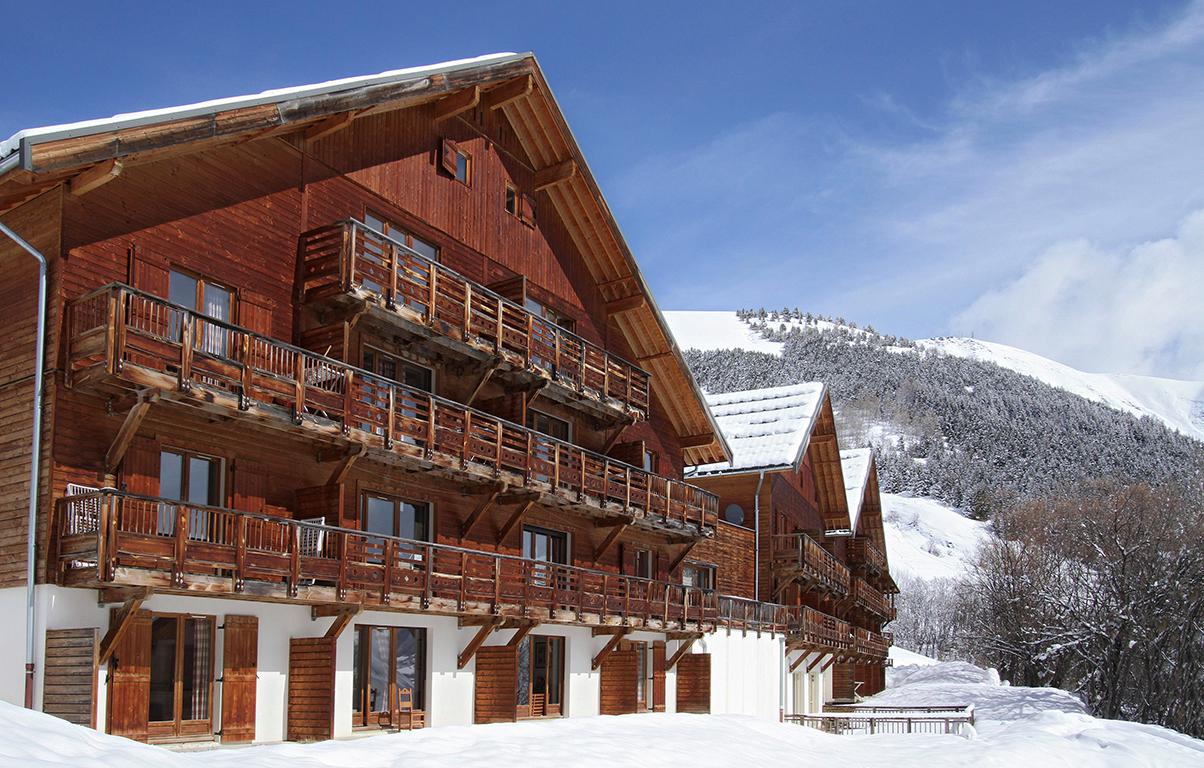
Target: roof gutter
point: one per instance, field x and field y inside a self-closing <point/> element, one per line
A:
<point x="35" y="462"/>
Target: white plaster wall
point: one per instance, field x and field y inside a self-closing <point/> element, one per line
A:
<point x="746" y="672"/>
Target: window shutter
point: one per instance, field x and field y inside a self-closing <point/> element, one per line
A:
<point x="240" y="658"/>
<point x="658" y="676"/>
<point x="527" y="209"/>
<point x="662" y="566"/>
<point x="255" y="313"/>
<point x="150" y="276"/>
<point x="631" y="453"/>
<point x="140" y="467"/>
<point x="447" y="156"/>
<point x="627" y="559"/>
<point x="250" y="486"/>
<point x="129" y="680"/>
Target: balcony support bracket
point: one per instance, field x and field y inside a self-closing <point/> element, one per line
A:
<point x="476" y="642"/>
<point x="682" y="650"/>
<point x="344" y="467"/>
<point x="799" y="661"/>
<point x="123" y="619"/>
<point x="342" y="617"/>
<point x="830" y="662"/>
<point x="129" y="428"/>
<point x="515" y="519"/>
<point x="478" y="513"/>
<point x="818" y="660"/>
<point x="486" y="375"/>
<point x="608" y="542"/>
<point x="610" y="647"/>
<point x="681" y="556"/>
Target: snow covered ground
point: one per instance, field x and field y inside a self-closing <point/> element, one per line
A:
<point x="928" y="539"/>
<point x="1178" y="404"/>
<point x="1015" y="726"/>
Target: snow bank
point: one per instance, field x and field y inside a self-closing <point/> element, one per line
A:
<point x="1046" y="736"/>
<point x="905" y="659"/>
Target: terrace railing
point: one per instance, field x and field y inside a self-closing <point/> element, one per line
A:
<point x="953" y="720"/>
<point x="868" y="643"/>
<point x="105" y="535"/>
<point x="745" y="614"/>
<point x="800" y="551"/>
<point x="118" y="328"/>
<point x="871" y="600"/>
<point x="818" y="629"/>
<point x="863" y="552"/>
<point x="350" y="257"/>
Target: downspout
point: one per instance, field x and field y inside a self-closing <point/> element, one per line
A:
<point x="757" y="538"/>
<point x="35" y="461"/>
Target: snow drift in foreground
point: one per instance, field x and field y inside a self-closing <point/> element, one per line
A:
<point x="1016" y="726"/>
<point x="1178" y="404"/>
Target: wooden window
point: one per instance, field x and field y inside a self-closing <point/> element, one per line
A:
<point x="457" y="162"/>
<point x="512" y="204"/>
<point x="549" y="425"/>
<point x="645" y="700"/>
<point x="396" y="369"/>
<point x="642" y="563"/>
<point x="392" y="516"/>
<point x="181" y="676"/>
<point x="207" y="298"/>
<point x="700" y="575"/>
<point x="399" y="234"/>
<point x="193" y="479"/>
<point x="650" y="461"/>
<point x="549" y="314"/>
<point x="540" y="688"/>
<point x="389" y="676"/>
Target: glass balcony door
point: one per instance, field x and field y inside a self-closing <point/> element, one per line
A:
<point x="181" y="676"/>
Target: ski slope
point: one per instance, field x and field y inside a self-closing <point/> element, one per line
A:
<point x="928" y="539"/>
<point x="1178" y="404"/>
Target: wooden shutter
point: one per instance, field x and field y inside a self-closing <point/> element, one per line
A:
<point x="255" y="313"/>
<point x="69" y="675"/>
<point x="140" y="467"/>
<point x="627" y="559"/>
<point x="150" y="276"/>
<point x="662" y="566"/>
<point x="447" y="156"/>
<point x="619" y="680"/>
<point x="842" y="682"/>
<point x="527" y="209"/>
<point x="694" y="683"/>
<point x="658" y="676"/>
<point x="129" y="680"/>
<point x="240" y="661"/>
<point x="631" y="453"/>
<point x="310" y="688"/>
<point x="494" y="698"/>
<point x="249" y="485"/>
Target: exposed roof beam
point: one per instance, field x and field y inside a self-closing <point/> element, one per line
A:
<point x="511" y="91"/>
<point x="330" y="125"/>
<point x="696" y="441"/>
<point x="457" y="103"/>
<point x="555" y="174"/>
<point x="96" y="176"/>
<point x="626" y="304"/>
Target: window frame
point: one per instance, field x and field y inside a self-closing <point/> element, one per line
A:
<point x="367" y="348"/>
<point x="185" y="454"/>
<point x="392" y="230"/>
<point x="359" y="713"/>
<point x="396" y="499"/>
<point x="635" y="563"/>
<point x="536" y="412"/>
<point x="700" y="566"/>
<point x="511" y="201"/>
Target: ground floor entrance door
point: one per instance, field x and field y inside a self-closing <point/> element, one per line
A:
<point x="181" y="676"/>
<point x="540" y="687"/>
<point x="694" y="683"/>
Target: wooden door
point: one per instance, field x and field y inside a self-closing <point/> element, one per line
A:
<point x="496" y="673"/>
<point x="69" y="676"/>
<point x="310" y="688"/>
<point x="181" y="676"/>
<point x="694" y="683"/>
<point x="842" y="682"/>
<point x="619" y="682"/>
<point x="240" y="661"/>
<point x="129" y="680"/>
<point x="658" y="676"/>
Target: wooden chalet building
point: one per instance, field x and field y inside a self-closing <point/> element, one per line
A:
<point x="800" y="528"/>
<point x="357" y="415"/>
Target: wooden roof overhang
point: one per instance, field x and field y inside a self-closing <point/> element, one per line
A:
<point x="87" y="155"/>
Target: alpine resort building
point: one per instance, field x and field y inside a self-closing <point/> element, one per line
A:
<point x="347" y="408"/>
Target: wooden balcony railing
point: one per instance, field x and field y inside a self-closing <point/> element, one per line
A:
<point x="122" y="332"/>
<point x="350" y="257"/>
<point x="863" y="552"/>
<point x="871" y="600"/>
<point x="114" y="538"/>
<point x="800" y="552"/>
<point x="742" y="613"/>
<point x="818" y="629"/>
<point x="867" y="643"/>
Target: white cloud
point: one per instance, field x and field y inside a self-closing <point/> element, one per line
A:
<point x="1138" y="310"/>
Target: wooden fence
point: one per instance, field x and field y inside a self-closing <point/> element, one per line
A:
<point x="860" y="720"/>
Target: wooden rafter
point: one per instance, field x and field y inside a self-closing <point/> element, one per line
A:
<point x="696" y="441"/>
<point x="515" y="519"/>
<point x="330" y="125"/>
<point x="609" y="648"/>
<point x="129" y="428"/>
<point x="682" y="650"/>
<point x="457" y="103"/>
<point x="626" y="304"/>
<point x="120" y="624"/>
<point x="353" y="455"/>
<point x="96" y="176"/>
<point x="555" y="174"/>
<point x="514" y="90"/>
<point x="609" y="541"/>
<point x="478" y="512"/>
<point x="829" y="663"/>
<point x="476" y="642"/>
<point x="655" y="356"/>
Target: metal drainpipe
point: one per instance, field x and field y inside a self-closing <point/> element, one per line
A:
<point x="757" y="538"/>
<point x="35" y="461"/>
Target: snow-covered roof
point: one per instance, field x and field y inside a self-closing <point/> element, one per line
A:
<point x="855" y="466"/>
<point x="129" y="119"/>
<point x="765" y="428"/>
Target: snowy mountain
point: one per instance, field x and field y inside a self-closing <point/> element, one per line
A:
<point x="927" y="539"/>
<point x="1178" y="404"/>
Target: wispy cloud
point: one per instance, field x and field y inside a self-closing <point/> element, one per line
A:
<point x="953" y="227"/>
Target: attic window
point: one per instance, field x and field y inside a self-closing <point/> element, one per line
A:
<point x="734" y="514"/>
<point x="456" y="162"/>
<point x="511" y="200"/>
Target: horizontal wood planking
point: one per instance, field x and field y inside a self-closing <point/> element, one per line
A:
<point x="495" y="683"/>
<point x="694" y="683"/>
<point x="70" y="673"/>
<point x="310" y="707"/>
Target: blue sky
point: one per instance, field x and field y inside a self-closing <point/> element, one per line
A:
<point x="1027" y="172"/>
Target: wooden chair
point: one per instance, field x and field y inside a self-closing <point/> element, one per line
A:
<point x="414" y="718"/>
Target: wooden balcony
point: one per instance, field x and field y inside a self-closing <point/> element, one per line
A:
<point x="798" y="558"/>
<point x="119" y="338"/>
<point x="870" y="645"/>
<point x="753" y="615"/>
<point x="866" y="598"/>
<point x="863" y="553"/>
<point x="818" y="631"/>
<point x="113" y="539"/>
<point x="349" y="261"/>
